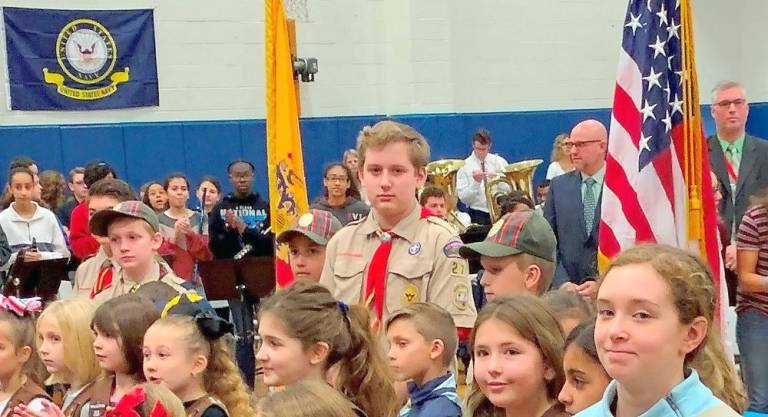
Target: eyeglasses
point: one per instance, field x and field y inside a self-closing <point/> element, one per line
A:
<point x="335" y="178"/>
<point x="725" y="104"/>
<point x="579" y="145"/>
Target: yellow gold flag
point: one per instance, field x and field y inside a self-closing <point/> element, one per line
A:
<point x="287" y="186"/>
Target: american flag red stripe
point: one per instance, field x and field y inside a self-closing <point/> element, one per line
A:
<point x="649" y="172"/>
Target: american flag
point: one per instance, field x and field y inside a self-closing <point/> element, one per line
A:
<point x="657" y="183"/>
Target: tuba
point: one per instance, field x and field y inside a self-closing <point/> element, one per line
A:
<point x="515" y="176"/>
<point x="442" y="174"/>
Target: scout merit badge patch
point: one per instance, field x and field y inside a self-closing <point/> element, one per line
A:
<point x="461" y="296"/>
<point x="80" y="59"/>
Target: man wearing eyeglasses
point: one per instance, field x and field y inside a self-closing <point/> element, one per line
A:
<point x="739" y="160"/>
<point x="572" y="208"/>
<point x="239" y="226"/>
<point x="470" y="181"/>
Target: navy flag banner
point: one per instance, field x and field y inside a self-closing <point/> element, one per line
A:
<point x="80" y="59"/>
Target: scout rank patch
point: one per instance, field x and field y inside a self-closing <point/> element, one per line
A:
<point x="410" y="295"/>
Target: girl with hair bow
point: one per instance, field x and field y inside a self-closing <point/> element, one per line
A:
<point x="21" y="373"/>
<point x="186" y="350"/>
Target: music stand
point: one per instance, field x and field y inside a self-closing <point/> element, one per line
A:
<point x="257" y="273"/>
<point x="36" y="279"/>
<point x="219" y="279"/>
<point x="227" y="279"/>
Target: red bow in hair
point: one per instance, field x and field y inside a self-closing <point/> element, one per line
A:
<point x="21" y="306"/>
<point x="127" y="405"/>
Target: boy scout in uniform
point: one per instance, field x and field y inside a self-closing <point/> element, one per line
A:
<point x="398" y="254"/>
<point x="94" y="273"/>
<point x="134" y="232"/>
<point x="306" y="239"/>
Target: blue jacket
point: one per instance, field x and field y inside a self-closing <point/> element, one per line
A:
<point x="690" y="398"/>
<point x="436" y="398"/>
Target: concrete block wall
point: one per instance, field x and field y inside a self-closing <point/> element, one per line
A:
<point x="526" y="70"/>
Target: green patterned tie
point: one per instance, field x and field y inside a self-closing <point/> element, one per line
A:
<point x="590" y="202"/>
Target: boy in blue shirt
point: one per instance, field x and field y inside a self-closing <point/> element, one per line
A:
<point x="422" y="346"/>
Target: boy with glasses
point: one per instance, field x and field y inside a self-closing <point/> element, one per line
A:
<point x="470" y="181"/>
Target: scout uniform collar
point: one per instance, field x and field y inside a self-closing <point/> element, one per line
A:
<point x="156" y="273"/>
<point x="405" y="229"/>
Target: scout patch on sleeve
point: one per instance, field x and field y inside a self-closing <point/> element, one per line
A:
<point x="458" y="268"/>
<point x="410" y="295"/>
<point x="451" y="249"/>
<point x="461" y="296"/>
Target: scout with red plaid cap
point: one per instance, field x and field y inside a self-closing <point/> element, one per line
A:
<point x="317" y="225"/>
<point x="517" y="255"/>
<point x="306" y="239"/>
<point x="134" y="246"/>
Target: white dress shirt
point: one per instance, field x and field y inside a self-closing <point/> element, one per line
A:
<point x="471" y="192"/>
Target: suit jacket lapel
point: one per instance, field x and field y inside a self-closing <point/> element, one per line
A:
<point x="717" y="159"/>
<point x="748" y="156"/>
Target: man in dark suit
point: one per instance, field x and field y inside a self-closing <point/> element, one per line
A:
<point x="739" y="161"/>
<point x="573" y="208"/>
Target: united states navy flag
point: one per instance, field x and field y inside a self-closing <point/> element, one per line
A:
<point x="80" y="59"/>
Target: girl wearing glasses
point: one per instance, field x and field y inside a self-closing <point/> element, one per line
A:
<point x="340" y="195"/>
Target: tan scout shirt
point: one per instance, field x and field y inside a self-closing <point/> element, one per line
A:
<point x="88" y="271"/>
<point x="424" y="265"/>
<point x="121" y="285"/>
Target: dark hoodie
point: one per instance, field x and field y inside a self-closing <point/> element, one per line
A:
<point x="225" y="242"/>
<point x="351" y="210"/>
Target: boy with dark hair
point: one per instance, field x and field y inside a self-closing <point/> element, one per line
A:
<point x="82" y="243"/>
<point x="79" y="191"/>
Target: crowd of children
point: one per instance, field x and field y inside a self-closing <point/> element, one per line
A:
<point x="140" y="341"/>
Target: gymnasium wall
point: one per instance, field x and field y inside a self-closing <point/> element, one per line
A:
<point x="525" y="70"/>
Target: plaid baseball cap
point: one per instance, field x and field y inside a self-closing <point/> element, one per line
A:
<point x="136" y="209"/>
<point x="317" y="225"/>
<point x="519" y="232"/>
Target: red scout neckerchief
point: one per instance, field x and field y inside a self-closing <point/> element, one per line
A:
<point x="103" y="279"/>
<point x="376" y="282"/>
